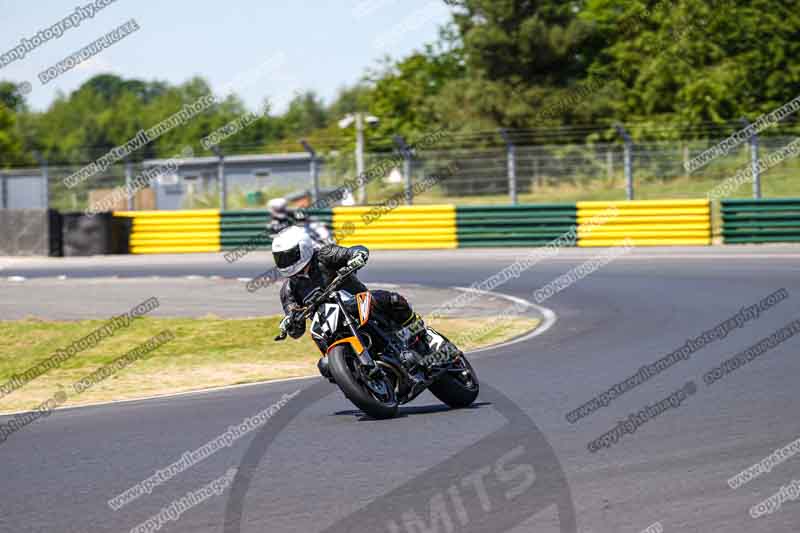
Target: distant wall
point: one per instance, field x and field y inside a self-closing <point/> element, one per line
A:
<point x="30" y="232"/>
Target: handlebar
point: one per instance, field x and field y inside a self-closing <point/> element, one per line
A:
<point x="341" y="275"/>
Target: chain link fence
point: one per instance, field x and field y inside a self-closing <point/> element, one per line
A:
<point x="446" y="174"/>
<point x="569" y="172"/>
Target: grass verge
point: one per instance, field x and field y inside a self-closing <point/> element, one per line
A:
<point x="205" y="352"/>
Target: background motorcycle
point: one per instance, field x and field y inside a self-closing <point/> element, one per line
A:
<point x="318" y="232"/>
<point x="375" y="368"/>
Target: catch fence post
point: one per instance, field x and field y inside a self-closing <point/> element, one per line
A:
<point x="754" y="162"/>
<point x="511" y="159"/>
<point x="314" y="170"/>
<point x="407" y="154"/>
<point x="45" y="178"/>
<point x="223" y="182"/>
<point x="628" y="154"/>
<point x="128" y="178"/>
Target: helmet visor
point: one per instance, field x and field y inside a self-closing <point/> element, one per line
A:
<point x="287" y="258"/>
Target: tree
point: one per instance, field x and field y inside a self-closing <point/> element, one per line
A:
<point x="404" y="91"/>
<point x="12" y="151"/>
<point x="519" y="54"/>
<point x="350" y="100"/>
<point x="695" y="62"/>
<point x="306" y="112"/>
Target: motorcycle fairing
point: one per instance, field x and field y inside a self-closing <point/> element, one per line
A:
<point x="364" y="304"/>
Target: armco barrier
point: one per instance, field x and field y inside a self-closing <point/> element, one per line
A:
<point x="515" y="225"/>
<point x="247" y="227"/>
<point x="647" y="222"/>
<point x="761" y="221"/>
<point x="165" y="232"/>
<point x="404" y="227"/>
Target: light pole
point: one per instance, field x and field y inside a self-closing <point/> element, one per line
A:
<point x="359" y="119"/>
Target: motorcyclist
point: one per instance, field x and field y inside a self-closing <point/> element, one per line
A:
<point x="308" y="268"/>
<point x="280" y="216"/>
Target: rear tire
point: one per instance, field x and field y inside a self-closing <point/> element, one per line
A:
<point x="456" y="391"/>
<point x="341" y="359"/>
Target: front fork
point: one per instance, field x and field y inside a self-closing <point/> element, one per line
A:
<point x="364" y="357"/>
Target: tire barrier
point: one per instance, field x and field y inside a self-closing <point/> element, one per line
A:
<point x="403" y="227"/>
<point x="760" y="221"/>
<point x="30" y="232"/>
<point x="101" y="234"/>
<point x="167" y="232"/>
<point x="515" y="225"/>
<point x="646" y="222"/>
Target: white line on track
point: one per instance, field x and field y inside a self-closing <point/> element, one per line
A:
<point x="549" y="318"/>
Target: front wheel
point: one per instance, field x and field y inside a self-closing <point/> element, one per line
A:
<point x="458" y="387"/>
<point x="376" y="397"/>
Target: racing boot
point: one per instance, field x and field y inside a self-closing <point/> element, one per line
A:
<point x="415" y="336"/>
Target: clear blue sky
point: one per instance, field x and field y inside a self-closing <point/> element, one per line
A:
<point x="320" y="45"/>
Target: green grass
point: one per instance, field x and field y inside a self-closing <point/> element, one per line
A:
<point x="206" y="352"/>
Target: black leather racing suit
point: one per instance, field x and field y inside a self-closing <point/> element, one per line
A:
<point x="323" y="267"/>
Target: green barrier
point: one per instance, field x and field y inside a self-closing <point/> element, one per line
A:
<point x="246" y="227"/>
<point x="761" y="221"/>
<point x="514" y="225"/>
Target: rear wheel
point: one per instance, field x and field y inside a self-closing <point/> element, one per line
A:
<point x="459" y="387"/>
<point x="376" y="397"/>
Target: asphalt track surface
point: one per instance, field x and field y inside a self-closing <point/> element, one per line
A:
<point x="318" y="465"/>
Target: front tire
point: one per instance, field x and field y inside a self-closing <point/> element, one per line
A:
<point x="343" y="363"/>
<point x="455" y="389"/>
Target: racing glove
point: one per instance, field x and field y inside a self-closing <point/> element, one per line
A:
<point x="359" y="259"/>
<point x="294" y="324"/>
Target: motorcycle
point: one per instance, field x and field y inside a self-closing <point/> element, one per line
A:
<point x="376" y="369"/>
<point x="318" y="232"/>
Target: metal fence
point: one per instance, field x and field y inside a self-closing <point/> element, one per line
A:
<point x="568" y="172"/>
<point x="493" y="174"/>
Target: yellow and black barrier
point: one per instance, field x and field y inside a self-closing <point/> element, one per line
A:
<point x="646" y="222"/>
<point x="167" y="232"/>
<point x="401" y="228"/>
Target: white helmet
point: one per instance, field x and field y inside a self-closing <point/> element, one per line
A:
<point x="292" y="249"/>
<point x="278" y="208"/>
